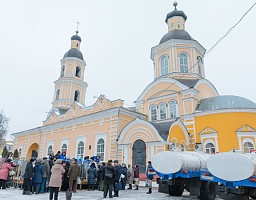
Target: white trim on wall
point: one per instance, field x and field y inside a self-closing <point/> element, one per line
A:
<point x="99" y="136"/>
<point x="79" y="139"/>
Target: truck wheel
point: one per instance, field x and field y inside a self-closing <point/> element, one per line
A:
<point x="207" y="191"/>
<point x="176" y="190"/>
<point x="252" y="193"/>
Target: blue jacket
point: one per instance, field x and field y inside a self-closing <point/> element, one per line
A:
<point x="150" y="172"/>
<point x="117" y="173"/>
<point x="38" y="173"/>
<point x="63" y="157"/>
<point x="92" y="174"/>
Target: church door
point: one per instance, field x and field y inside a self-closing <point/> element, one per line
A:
<point x="139" y="155"/>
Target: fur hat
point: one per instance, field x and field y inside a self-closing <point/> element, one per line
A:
<point x="58" y="161"/>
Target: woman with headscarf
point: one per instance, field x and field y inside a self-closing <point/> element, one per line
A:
<point x="92" y="175"/>
<point x="4" y="173"/>
<point x="28" y="175"/>
<point x="56" y="179"/>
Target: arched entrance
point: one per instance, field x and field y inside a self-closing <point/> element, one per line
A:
<point x="139" y="155"/>
<point x="32" y="151"/>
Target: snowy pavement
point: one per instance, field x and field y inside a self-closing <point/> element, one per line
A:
<point x="15" y="194"/>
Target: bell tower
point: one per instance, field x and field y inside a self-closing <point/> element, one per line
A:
<point x="70" y="85"/>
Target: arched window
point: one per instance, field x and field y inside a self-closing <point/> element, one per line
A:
<point x="173" y="109"/>
<point x="162" y="110"/>
<point x="49" y="150"/>
<point x="183" y="63"/>
<point x="78" y="71"/>
<point x="80" y="150"/>
<point x="77" y="95"/>
<point x="20" y="152"/>
<point x="209" y="148"/>
<point x="62" y="71"/>
<point x="182" y="147"/>
<point x="64" y="147"/>
<point x="200" y="65"/>
<point x="153" y="112"/>
<point x="247" y="147"/>
<point x="58" y="95"/>
<point x="100" y="149"/>
<point x="172" y="26"/>
<point x="164" y="65"/>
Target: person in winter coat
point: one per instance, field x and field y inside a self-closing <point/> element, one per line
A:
<point x="150" y="172"/>
<point x="4" y="173"/>
<point x="56" y="179"/>
<point x="57" y="156"/>
<point x="46" y="174"/>
<point x="28" y="175"/>
<point x="124" y="176"/>
<point x="8" y="156"/>
<point x="65" y="184"/>
<point x="100" y="174"/>
<point x="63" y="155"/>
<point x="108" y="180"/>
<point x="117" y="175"/>
<point x="37" y="177"/>
<point x="92" y="175"/>
<point x="73" y="174"/>
<point x="129" y="176"/>
<point x="136" y="176"/>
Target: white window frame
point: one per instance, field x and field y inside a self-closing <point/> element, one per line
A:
<point x="79" y="139"/>
<point x="164" y="65"/>
<point x="162" y="103"/>
<point x="185" y="71"/>
<point x="57" y="95"/>
<point x="151" y="112"/>
<point x="78" y="96"/>
<point x="170" y="106"/>
<point x="99" y="136"/>
<point x="20" y="147"/>
<point x="64" y="141"/>
<point x="248" y="140"/>
<point x="50" y="143"/>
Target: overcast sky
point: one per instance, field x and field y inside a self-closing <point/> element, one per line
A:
<point x="117" y="36"/>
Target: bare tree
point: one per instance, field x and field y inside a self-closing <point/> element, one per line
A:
<point x="3" y="127"/>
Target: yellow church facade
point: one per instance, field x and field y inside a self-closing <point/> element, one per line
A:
<point x="180" y="109"/>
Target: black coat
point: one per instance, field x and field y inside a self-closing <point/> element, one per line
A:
<point x="100" y="174"/>
<point x="106" y="179"/>
<point x="118" y="171"/>
<point x="28" y="174"/>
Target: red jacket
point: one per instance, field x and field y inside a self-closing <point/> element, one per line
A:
<point x="4" y="171"/>
<point x="136" y="173"/>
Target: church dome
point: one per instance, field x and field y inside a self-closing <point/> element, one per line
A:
<point x="175" y="13"/>
<point x="74" y="53"/>
<point x="76" y="37"/>
<point x="224" y="102"/>
<point x="176" y="34"/>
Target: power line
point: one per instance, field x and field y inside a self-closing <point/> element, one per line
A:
<point x="207" y="53"/>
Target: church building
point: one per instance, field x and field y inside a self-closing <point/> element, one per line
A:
<point x="180" y="109"/>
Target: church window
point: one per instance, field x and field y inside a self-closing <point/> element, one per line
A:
<point x="20" y="150"/>
<point x="58" y="95"/>
<point x="80" y="150"/>
<point x="164" y="65"/>
<point x="162" y="110"/>
<point x="78" y="71"/>
<point x="153" y="112"/>
<point x="62" y="71"/>
<point x="247" y="147"/>
<point x="77" y="95"/>
<point x="209" y="148"/>
<point x="172" y="26"/>
<point x="76" y="45"/>
<point x="200" y="65"/>
<point x="183" y="63"/>
<point x="100" y="149"/>
<point x="178" y="25"/>
<point x="173" y="109"/>
<point x="182" y="147"/>
<point x="64" y="147"/>
<point x="49" y="150"/>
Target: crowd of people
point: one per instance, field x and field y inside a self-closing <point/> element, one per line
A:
<point x="59" y="173"/>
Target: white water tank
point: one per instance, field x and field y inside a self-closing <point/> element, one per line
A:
<point x="169" y="162"/>
<point x="231" y="166"/>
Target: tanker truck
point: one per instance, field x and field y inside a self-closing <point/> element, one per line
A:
<point x="181" y="170"/>
<point x="234" y="173"/>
